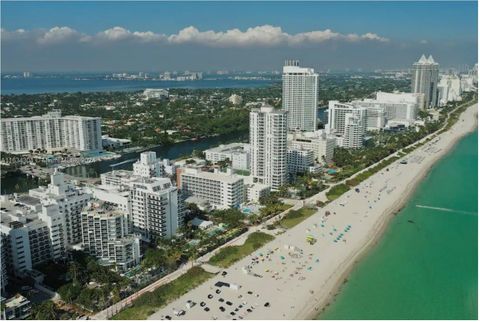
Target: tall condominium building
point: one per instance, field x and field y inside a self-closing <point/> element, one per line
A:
<point x="268" y="146"/>
<point x="155" y="208"/>
<point x="300" y="96"/>
<point x="52" y="132"/>
<point x="148" y="166"/>
<point x="106" y="235"/>
<point x="449" y="89"/>
<point x="425" y="79"/>
<point x="220" y="190"/>
<point x="70" y="200"/>
<point x="348" y="122"/>
<point x="153" y="202"/>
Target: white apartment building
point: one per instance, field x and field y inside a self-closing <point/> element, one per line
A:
<point x="300" y="96"/>
<point x="220" y="190"/>
<point x="148" y="166"/>
<point x="319" y="142"/>
<point x="70" y="200"/>
<point x="52" y="132"/>
<point x="348" y="122"/>
<point x="355" y="129"/>
<point x="155" y="208"/>
<point x="425" y="79"/>
<point x="237" y="153"/>
<point x="57" y="229"/>
<point x="106" y="235"/>
<point x="155" y="93"/>
<point x="468" y="83"/>
<point x="299" y="160"/>
<point x="449" y="89"/>
<point x="268" y="146"/>
<point x="153" y="202"/>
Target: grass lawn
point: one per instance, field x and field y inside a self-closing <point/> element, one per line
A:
<point x="295" y="217"/>
<point x="149" y="303"/>
<point x="231" y="254"/>
<point x="336" y="191"/>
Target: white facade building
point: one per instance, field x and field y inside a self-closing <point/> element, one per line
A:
<point x="106" y="235"/>
<point x="299" y="160"/>
<point x="70" y="200"/>
<point x="397" y="106"/>
<point x="425" y="79"/>
<point x="376" y="118"/>
<point x="449" y="89"/>
<point x="348" y="122"/>
<point x="237" y="153"/>
<point x="155" y="93"/>
<point x="52" y="132"/>
<point x="319" y="142"/>
<point x="220" y="190"/>
<point x="300" y="96"/>
<point x="268" y="146"/>
<point x="148" y="166"/>
<point x="28" y="237"/>
<point x="153" y="202"/>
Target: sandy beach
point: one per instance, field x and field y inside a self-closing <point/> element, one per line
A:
<point x="290" y="278"/>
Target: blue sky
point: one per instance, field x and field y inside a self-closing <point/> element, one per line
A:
<point x="446" y="29"/>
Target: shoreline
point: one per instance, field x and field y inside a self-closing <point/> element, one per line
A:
<point x="378" y="233"/>
<point x="290" y="278"/>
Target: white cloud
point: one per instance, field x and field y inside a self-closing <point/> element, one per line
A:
<point x="58" y="35"/>
<point x="265" y="35"/>
<point x="424" y="42"/>
<point x="119" y="33"/>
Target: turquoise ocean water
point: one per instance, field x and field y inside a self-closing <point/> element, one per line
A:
<point x="426" y="269"/>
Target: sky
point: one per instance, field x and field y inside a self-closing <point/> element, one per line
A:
<point x="202" y="36"/>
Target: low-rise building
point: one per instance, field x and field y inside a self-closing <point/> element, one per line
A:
<point x="221" y="190"/>
<point x="319" y="142"/>
<point x="237" y="153"/>
<point x="155" y="93"/>
<point x="299" y="160"/>
<point x="17" y="307"/>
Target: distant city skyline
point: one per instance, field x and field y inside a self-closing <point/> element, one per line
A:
<point x="154" y="36"/>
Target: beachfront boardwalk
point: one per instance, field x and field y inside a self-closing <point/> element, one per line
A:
<point x="290" y="278"/>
